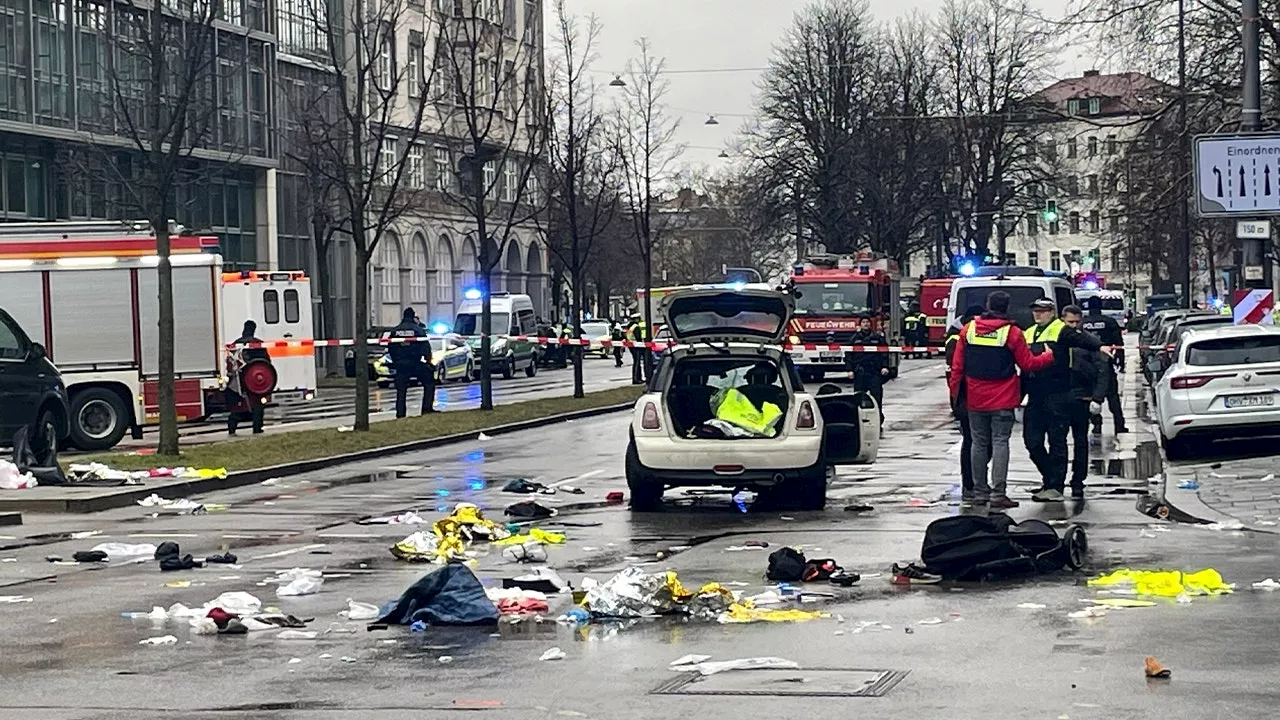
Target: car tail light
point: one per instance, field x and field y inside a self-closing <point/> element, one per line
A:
<point x="727" y="469"/>
<point x="649" y="420"/>
<point x="1191" y="382"/>
<point x="804" y="418"/>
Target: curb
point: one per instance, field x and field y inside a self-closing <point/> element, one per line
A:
<point x="128" y="495"/>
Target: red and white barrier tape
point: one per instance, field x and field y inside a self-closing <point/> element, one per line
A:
<point x="922" y="349"/>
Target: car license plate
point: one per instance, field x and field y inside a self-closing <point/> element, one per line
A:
<point x="1251" y="401"/>
<point x="832" y="356"/>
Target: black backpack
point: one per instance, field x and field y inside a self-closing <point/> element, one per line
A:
<point x="786" y="565"/>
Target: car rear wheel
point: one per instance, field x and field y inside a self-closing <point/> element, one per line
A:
<point x="533" y="367"/>
<point x="98" y="419"/>
<point x="47" y="428"/>
<point x="646" y="492"/>
<point x="442" y="374"/>
<point x="471" y="372"/>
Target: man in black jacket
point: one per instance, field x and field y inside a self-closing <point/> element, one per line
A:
<point x="1090" y="380"/>
<point x="236" y="394"/>
<point x="1108" y="331"/>
<point x="1047" y="417"/>
<point x="869" y="368"/>
<point x="411" y="360"/>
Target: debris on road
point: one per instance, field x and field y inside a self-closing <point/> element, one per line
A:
<point x="529" y="552"/>
<point x="89" y="556"/>
<point x="1095" y="611"/>
<point x="1189" y="485"/>
<point x="554" y="653"/>
<point x="756" y="663"/>
<point x="745" y="612"/>
<point x="529" y="510"/>
<point x="12" y="479"/>
<point x="171" y="558"/>
<point x="523" y="486"/>
<point x="297" y="635"/>
<point x="634" y="593"/>
<point x="689" y="660"/>
<point x="543" y="580"/>
<point x="1268" y="584"/>
<point x="535" y="535"/>
<point x="9" y="599"/>
<point x="1031" y="606"/>
<point x="514" y="601"/>
<point x="359" y="610"/>
<point x="451" y="595"/>
<point x="160" y="640"/>
<point x="405" y="518"/>
<point x="298" y="581"/>
<point x="119" y="551"/>
<point x="1154" y="669"/>
<point x="1165" y="583"/>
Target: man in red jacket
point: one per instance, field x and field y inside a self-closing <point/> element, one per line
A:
<point x="984" y="381"/>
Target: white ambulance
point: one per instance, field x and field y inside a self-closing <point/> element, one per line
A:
<point x="280" y="303"/>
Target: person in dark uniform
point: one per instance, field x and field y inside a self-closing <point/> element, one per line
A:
<point x="411" y="360"/>
<point x="236" y="394"/>
<point x="617" y="335"/>
<point x="636" y="333"/>
<point x="1108" y="331"/>
<point x="869" y="368"/>
<point x="961" y="413"/>
<point x="1048" y="392"/>
<point x="1090" y="376"/>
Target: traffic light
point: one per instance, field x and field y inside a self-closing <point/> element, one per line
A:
<point x="1050" y="212"/>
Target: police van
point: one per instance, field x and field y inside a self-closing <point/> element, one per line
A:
<point x="512" y="323"/>
<point x="1024" y="285"/>
<point x="1112" y="302"/>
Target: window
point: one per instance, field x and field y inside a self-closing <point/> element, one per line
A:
<point x="1064" y="297"/>
<point x="509" y="18"/>
<point x="1115" y="259"/>
<point x="388" y="271"/>
<point x="1095" y="106"/>
<point x="1071" y="147"/>
<point x="1073" y="222"/>
<point x="442" y="78"/>
<point x="387" y="63"/>
<point x="1050" y="150"/>
<point x="1033" y="224"/>
<point x="1112" y="145"/>
<point x="418" y="271"/>
<point x="443" y="172"/>
<point x="510" y="180"/>
<point x="1033" y="258"/>
<point x="11" y="345"/>
<point x="528" y="322"/>
<point x="1247" y="350"/>
<point x="1072" y="187"/>
<point x="530" y="21"/>
<point x="1073" y="107"/>
<point x="1115" y="223"/>
<point x="1055" y="261"/>
<point x="490" y="175"/>
<point x="1031" y="149"/>
<point x="417" y="170"/>
<point x="1011" y="258"/>
<point x="413" y="65"/>
<point x="1053" y="227"/>
<point x="292" y="311"/>
<point x="271" y="306"/>
<point x="510" y="83"/>
<point x="387" y="161"/>
<point x="1095" y="222"/>
<point x="484" y="83"/>
<point x="1091" y="184"/>
<point x="1093" y="147"/>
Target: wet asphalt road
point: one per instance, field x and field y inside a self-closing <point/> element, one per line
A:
<point x="985" y="659"/>
<point x="333" y="407"/>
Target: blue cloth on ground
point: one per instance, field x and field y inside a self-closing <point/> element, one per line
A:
<point x="451" y="595"/>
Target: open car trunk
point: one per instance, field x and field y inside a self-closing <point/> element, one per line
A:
<point x="695" y="382"/>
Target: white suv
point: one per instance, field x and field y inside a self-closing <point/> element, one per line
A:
<point x="726" y="340"/>
<point x="1224" y="383"/>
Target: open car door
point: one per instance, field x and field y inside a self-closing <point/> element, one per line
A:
<point x="852" y="424"/>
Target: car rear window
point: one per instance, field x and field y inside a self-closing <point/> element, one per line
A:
<point x="1181" y="328"/>
<point x="1235" y="351"/>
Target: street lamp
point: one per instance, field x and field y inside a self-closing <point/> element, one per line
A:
<point x="723" y="154"/>
<point x="617" y="81"/>
<point x="711" y="120"/>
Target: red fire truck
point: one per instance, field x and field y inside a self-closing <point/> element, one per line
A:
<point x="834" y="292"/>
<point x="935" y="294"/>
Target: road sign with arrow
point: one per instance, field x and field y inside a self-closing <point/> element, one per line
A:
<point x="1237" y="174"/>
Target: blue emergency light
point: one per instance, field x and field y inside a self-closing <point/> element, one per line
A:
<point x="471" y="294"/>
<point x="440" y="328"/>
<point x="967" y="269"/>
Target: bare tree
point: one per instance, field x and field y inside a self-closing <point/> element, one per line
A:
<point x="490" y="97"/>
<point x="161" y="84"/>
<point x="644" y="135"/>
<point x="365" y="129"/>
<point x="582" y="165"/>
<point x="993" y="55"/>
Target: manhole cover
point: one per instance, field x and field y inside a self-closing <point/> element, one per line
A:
<point x="809" y="682"/>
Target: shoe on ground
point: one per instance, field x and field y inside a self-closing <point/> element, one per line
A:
<point x="1122" y="430"/>
<point x="1003" y="503"/>
<point x="1096" y="430"/>
<point x="1077" y="493"/>
<point x="1047" y="496"/>
<point x="911" y="574"/>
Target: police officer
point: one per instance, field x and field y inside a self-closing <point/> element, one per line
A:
<point x="636" y="334"/>
<point x="869" y="368"/>
<point x="253" y="403"/>
<point x="1048" y="392"/>
<point x="958" y="408"/>
<point x="1108" y="331"/>
<point x="911" y="326"/>
<point x="1090" y="376"/>
<point x="617" y="335"/>
<point x="411" y="361"/>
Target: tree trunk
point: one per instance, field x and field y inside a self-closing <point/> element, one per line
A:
<point x="164" y="278"/>
<point x="324" y="284"/>
<point x="602" y="301"/>
<point x="647" y="336"/>
<point x="361" y="326"/>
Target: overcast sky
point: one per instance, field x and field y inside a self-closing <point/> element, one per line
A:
<point x="699" y="35"/>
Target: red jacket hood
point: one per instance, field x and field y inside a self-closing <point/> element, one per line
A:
<point x="991" y="323"/>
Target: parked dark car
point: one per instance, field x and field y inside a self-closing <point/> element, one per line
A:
<point x="31" y="391"/>
<point x="375" y="352"/>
